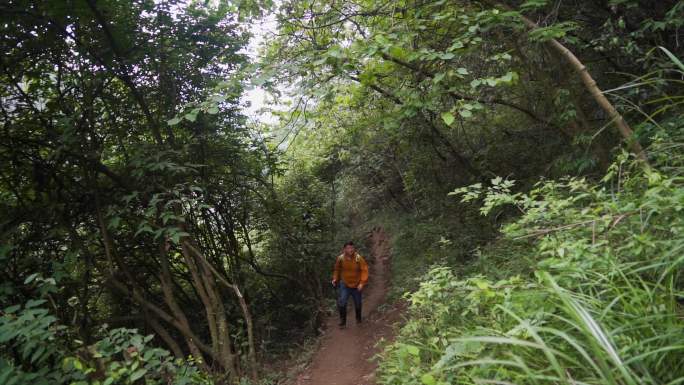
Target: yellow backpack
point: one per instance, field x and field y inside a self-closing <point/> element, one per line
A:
<point x="357" y="259"/>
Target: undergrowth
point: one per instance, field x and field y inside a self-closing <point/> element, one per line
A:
<point x="420" y="242"/>
<point x="583" y="288"/>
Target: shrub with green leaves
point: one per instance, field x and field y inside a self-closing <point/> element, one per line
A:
<point x="28" y="352"/>
<point x="34" y="350"/>
<point x="123" y="357"/>
<point x="601" y="305"/>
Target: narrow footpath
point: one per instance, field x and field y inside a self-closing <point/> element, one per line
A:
<point x="345" y="355"/>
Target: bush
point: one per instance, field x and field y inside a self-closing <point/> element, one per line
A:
<point x="599" y="304"/>
<point x="34" y="350"/>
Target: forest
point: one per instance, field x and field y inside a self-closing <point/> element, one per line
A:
<point x="159" y="225"/>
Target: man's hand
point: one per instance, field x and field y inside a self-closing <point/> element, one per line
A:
<point x="359" y="288"/>
<point x="334" y="282"/>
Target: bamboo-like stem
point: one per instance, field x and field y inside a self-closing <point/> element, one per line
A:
<point x="591" y="86"/>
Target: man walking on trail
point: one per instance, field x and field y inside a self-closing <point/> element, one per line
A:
<point x="351" y="272"/>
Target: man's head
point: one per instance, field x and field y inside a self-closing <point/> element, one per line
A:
<point x="349" y="248"/>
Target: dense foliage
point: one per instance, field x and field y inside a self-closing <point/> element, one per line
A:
<point x="149" y="232"/>
<point x="134" y="189"/>
<point x="598" y="303"/>
<point x="410" y="100"/>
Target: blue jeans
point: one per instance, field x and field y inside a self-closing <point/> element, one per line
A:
<point x="343" y="298"/>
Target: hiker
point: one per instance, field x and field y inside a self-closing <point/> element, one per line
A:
<point x="351" y="273"/>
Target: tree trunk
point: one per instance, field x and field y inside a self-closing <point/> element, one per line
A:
<point x="241" y="300"/>
<point x="165" y="336"/>
<point x="170" y="299"/>
<point x="209" y="307"/>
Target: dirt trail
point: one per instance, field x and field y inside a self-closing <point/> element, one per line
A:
<point x="343" y="357"/>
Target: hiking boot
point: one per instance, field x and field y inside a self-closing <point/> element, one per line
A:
<point x="343" y="317"/>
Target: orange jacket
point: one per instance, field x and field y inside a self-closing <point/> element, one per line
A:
<point x="354" y="270"/>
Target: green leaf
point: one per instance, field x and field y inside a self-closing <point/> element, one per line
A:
<point x="456" y="45"/>
<point x="263" y="78"/>
<point x="144" y="227"/>
<point x="448" y="118"/>
<point x="191" y="116"/>
<point x="428" y="379"/>
<point x="465" y="113"/>
<point x="531" y="5"/>
<point x="34" y="303"/>
<point x="412" y="350"/>
<point x="176" y="235"/>
<point x="30" y="278"/>
<point x="12" y="309"/>
<point x="173" y="122"/>
<point x="555" y="31"/>
<point x="38" y="354"/>
<point x="673" y="58"/>
<point x="336" y="52"/>
<point x="114" y="222"/>
<point x="137" y="374"/>
<point x="509" y="78"/>
<point x="213" y="110"/>
<point x="397" y="51"/>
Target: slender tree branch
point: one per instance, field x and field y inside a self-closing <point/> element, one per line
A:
<point x="590" y="84"/>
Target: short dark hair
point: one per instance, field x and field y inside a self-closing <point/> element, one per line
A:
<point x="349" y="243"/>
